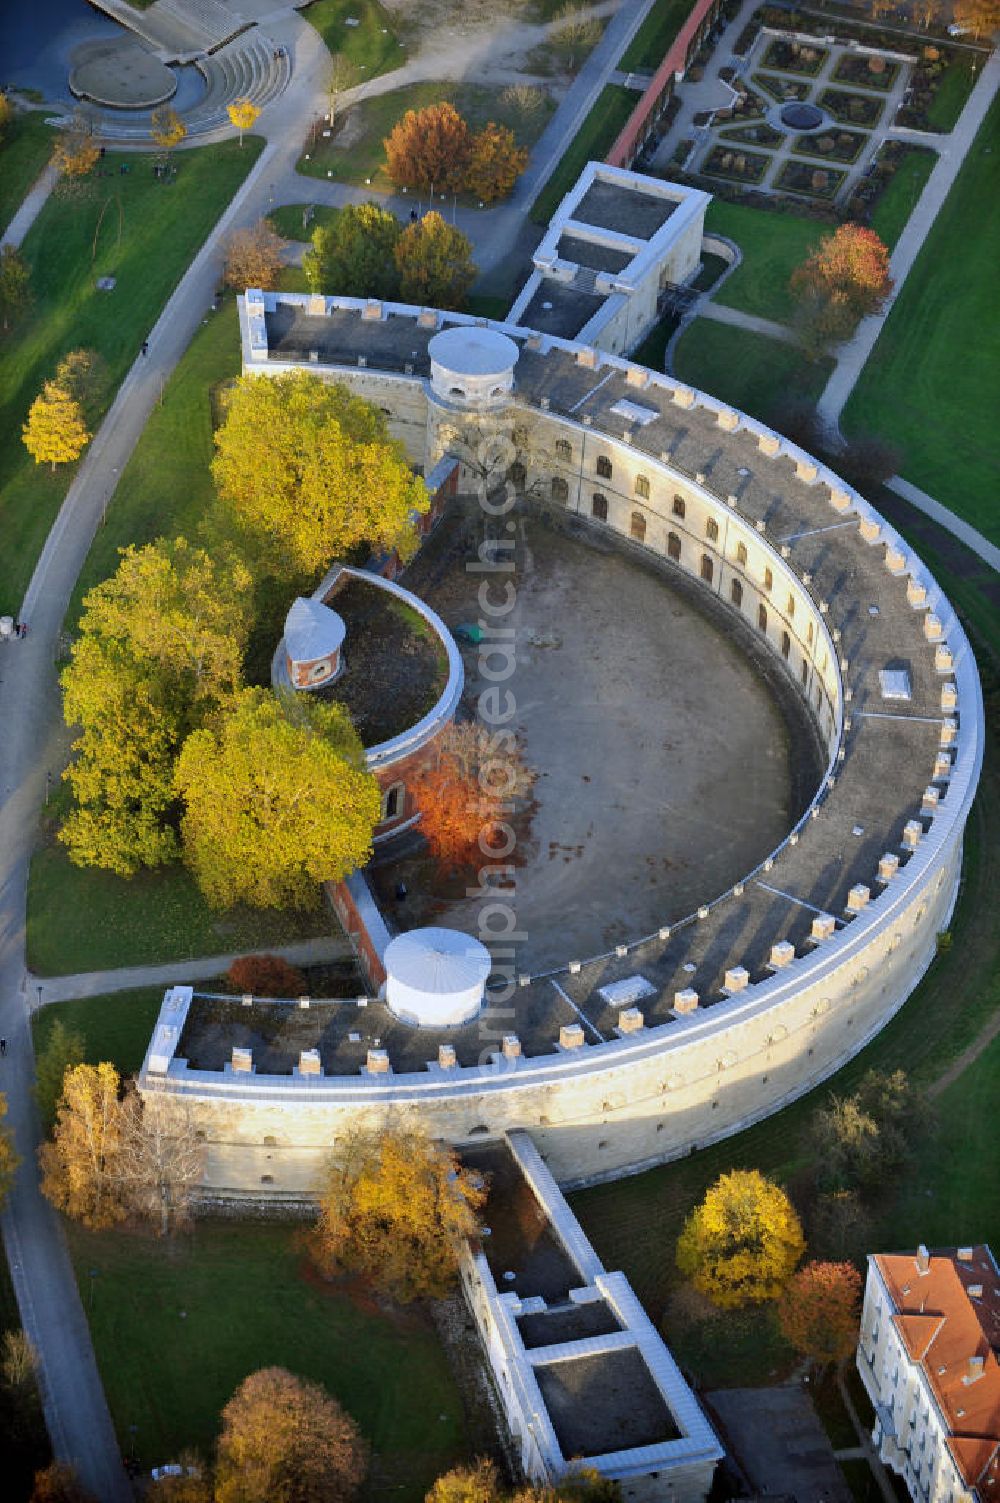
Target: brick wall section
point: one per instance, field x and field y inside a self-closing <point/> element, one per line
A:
<point x="642" y="121"/>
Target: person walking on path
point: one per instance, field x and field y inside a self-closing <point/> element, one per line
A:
<point x="145" y="346"/>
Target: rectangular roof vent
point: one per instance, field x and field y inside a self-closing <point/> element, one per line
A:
<point x="895" y="683"/>
<point x="633" y="413"/>
<point x="627" y="991"/>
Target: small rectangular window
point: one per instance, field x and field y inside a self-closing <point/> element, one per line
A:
<point x="741" y="554"/>
<point x="712" y="530"/>
<point x="768" y="579"/>
<point x="642" y="487"/>
<point x="678" y="506"/>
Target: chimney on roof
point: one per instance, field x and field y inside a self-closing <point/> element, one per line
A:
<point x="975" y="1370"/>
<point x="923" y="1260"/>
<point x="975" y="1291"/>
<point x="965" y="1254"/>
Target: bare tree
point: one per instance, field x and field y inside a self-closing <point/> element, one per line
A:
<point x="162" y="1159"/>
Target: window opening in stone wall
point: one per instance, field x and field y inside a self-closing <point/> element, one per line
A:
<point x="518" y="474"/>
<point x="791" y="605"/>
<point x="741" y="553"/>
<point x="642" y="487"/>
<point x="638" y="527"/>
<point x="599" y="506"/>
<point x="564" y="449"/>
<point x="712" y="530"/>
<point x="673" y="546"/>
<point x="560" y="489"/>
<point x="604" y="467"/>
<point x="768" y="579"/>
<point x="678" y="506"/>
<point x="786" y="644"/>
<point x="392" y="801"/>
<point x="736" y="591"/>
<point x="805" y="672"/>
<point x="810" y="633"/>
<point x="762" y="617"/>
<point x="707" y="568"/>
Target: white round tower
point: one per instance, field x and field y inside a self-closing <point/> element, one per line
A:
<point x="435" y="977"/>
<point x="472" y="367"/>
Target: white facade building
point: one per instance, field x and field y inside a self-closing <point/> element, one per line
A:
<point x="930" y="1330"/>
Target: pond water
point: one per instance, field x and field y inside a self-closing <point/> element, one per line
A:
<point x="38" y="36"/>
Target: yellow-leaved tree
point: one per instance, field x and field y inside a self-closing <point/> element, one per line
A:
<point x="277" y="799"/>
<point x="310" y="472"/>
<point x="8" y="1154"/>
<point x="55" y="432"/>
<point x="166" y="127"/>
<point x="242" y="115"/>
<point x="435" y="265"/>
<point x="76" y="150"/>
<point x="397" y="1206"/>
<point x="285" y="1440"/>
<point x="740" y="1246"/>
<point x="81" y="1166"/>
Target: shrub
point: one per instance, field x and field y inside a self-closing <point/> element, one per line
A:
<point x="876" y="65"/>
<point x="265" y="976"/>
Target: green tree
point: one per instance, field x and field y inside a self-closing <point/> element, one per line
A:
<point x="83" y="374"/>
<point x="435" y="265"/>
<point x="863" y="1139"/>
<point x="15" y="285"/>
<point x="277" y="800"/>
<point x="354" y="255"/>
<point x="55" y="432"/>
<point x="310" y="473"/>
<point x="63" y="1049"/>
<point x="397" y="1207"/>
<point x="741" y="1244"/>
<point x="285" y="1440"/>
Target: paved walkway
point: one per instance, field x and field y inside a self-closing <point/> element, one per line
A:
<point x="766" y="327"/>
<point x="853" y="355"/>
<point x="987" y="551"/>
<point x="30" y="209"/>
<point x="41" y="990"/>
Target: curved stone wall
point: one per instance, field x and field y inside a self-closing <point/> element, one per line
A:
<point x="604" y="1109"/>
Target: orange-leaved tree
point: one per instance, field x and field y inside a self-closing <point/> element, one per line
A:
<point x="285" y="1440"/>
<point x="429" y="149"/>
<point x="396" y="1207"/>
<point x="981" y="17"/>
<point x="265" y="976"/>
<point x="495" y="162"/>
<point x="818" y="1311"/>
<point x="741" y="1244"/>
<point x="464" y="796"/>
<point x="851" y="265"/>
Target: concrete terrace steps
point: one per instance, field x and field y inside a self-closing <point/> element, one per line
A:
<point x="179" y="30"/>
<point x="243" y="68"/>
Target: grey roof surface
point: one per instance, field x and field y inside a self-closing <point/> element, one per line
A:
<point x="605" y="1402"/>
<point x="563" y="308"/>
<point x="608" y="206"/>
<point x="588" y="253"/>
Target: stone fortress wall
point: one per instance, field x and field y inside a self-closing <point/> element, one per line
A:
<point x="827" y="985"/>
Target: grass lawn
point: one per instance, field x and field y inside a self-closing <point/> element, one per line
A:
<point x="592" y="142"/>
<point x="372" y="46"/>
<point x="288" y="219"/>
<point x="773" y="245"/>
<point x="355" y="153"/>
<point x="143" y="232"/>
<point x="752" y="373"/>
<point x="899" y="200"/>
<point x="82" y="919"/>
<point x="116" y="1027"/>
<point x="952" y="93"/>
<point x="648" y="47"/>
<point x="931" y="381"/>
<point x="26" y="148"/>
<point x="178" y="1325"/>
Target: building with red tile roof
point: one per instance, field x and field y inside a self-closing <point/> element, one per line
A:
<point x="930" y="1333"/>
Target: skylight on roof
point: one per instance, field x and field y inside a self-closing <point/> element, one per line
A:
<point x="633" y="413"/>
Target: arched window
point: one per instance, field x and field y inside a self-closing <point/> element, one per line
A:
<point x="786" y="644"/>
<point x="741" y="554"/>
<point x="736" y="592"/>
<point x="678" y="506"/>
<point x="564" y="449"/>
<point x="604" y="466"/>
<point x="518" y="474"/>
<point x="762" y="617"/>
<point x="642" y="487"/>
<point x="673" y="547"/>
<point x="810" y="633"/>
<point x="791" y="606"/>
<point x="768" y="579"/>
<point x="599" y="506"/>
<point x="712" y="530"/>
<point x="707" y="568"/>
<point x="638" y="527"/>
<point x="805" y="672"/>
<point x="560" y="489"/>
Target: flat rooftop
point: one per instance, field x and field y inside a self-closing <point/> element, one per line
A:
<point x="564" y="308"/>
<point x="889" y="749"/>
<point x="606" y="1402"/>
<point x="613" y="206"/>
<point x="525" y="1255"/>
<point x="596" y="257"/>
